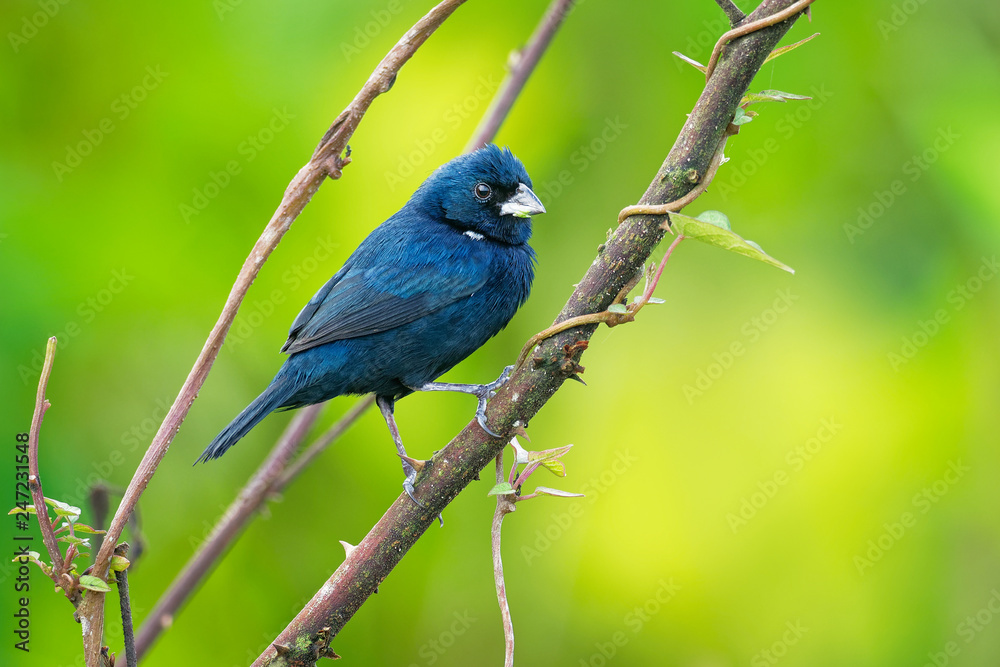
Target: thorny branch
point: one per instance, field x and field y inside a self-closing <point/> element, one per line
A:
<point x="618" y="264"/>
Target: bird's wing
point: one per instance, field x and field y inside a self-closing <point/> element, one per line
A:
<point x="381" y="290"/>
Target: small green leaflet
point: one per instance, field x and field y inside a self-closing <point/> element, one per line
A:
<point x="555" y="466"/>
<point x="64" y="510"/>
<point x="770" y="96"/>
<point x="741" y="117"/>
<point x="771" y="56"/>
<point x="617" y="308"/>
<point x="785" y="49"/>
<point x="92" y="583"/>
<point x="556" y="492"/>
<point x="501" y="489"/>
<point x="84" y="528"/>
<point x="713" y="227"/>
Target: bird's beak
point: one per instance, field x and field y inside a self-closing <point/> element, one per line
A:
<point x="523" y="203"/>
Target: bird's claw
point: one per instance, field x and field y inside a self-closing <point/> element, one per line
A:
<point x="408" y="487"/>
<point x="487" y="392"/>
<point x="481" y="418"/>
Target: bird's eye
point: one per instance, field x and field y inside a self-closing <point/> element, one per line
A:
<point x="482" y="191"/>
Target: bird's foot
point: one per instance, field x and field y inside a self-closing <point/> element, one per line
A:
<point x="411" y="476"/>
<point x="485" y="393"/>
<point x="408" y="487"/>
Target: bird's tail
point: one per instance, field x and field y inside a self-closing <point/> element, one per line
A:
<point x="270" y="399"/>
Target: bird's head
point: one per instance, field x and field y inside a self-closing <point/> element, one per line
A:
<point x="487" y="191"/>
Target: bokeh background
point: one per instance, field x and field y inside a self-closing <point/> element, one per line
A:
<point x="828" y="495"/>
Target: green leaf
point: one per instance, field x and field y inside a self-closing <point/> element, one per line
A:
<point x="62" y="509"/>
<point x="73" y="539"/>
<point x="30" y="509"/>
<point x="655" y="299"/>
<point x="36" y="558"/>
<point x="692" y="62"/>
<point x="92" y="583"/>
<point x="741" y="117"/>
<point x="711" y="234"/>
<point x="556" y="492"/>
<point x="119" y="563"/>
<point x="548" y="454"/>
<point x="770" y="96"/>
<point x="617" y="308"/>
<point x="501" y="489"/>
<point x="785" y="49"/>
<point x="555" y="466"/>
<point x="717" y="218"/>
<point x="84" y="528"/>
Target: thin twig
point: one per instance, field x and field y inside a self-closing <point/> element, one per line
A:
<point x="513" y="84"/>
<point x="121" y="577"/>
<point x="228" y="528"/>
<point x="733" y="13"/>
<point x="326" y="161"/>
<point x="504" y="507"/>
<point x="748" y="28"/>
<point x="35" y="481"/>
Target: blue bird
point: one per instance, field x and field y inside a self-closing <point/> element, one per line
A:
<point x="424" y="290"/>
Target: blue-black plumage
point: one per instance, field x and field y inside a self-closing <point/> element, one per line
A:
<point x="423" y="291"/>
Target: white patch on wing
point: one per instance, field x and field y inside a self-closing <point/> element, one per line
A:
<point x="473" y="235"/>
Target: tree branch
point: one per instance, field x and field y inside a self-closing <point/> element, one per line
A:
<point x="524" y="65"/>
<point x="326" y="161"/>
<point x="532" y="384"/>
<point x="733" y="13"/>
<point x="753" y="26"/>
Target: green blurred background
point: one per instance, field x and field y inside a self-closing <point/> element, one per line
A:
<point x="797" y="502"/>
